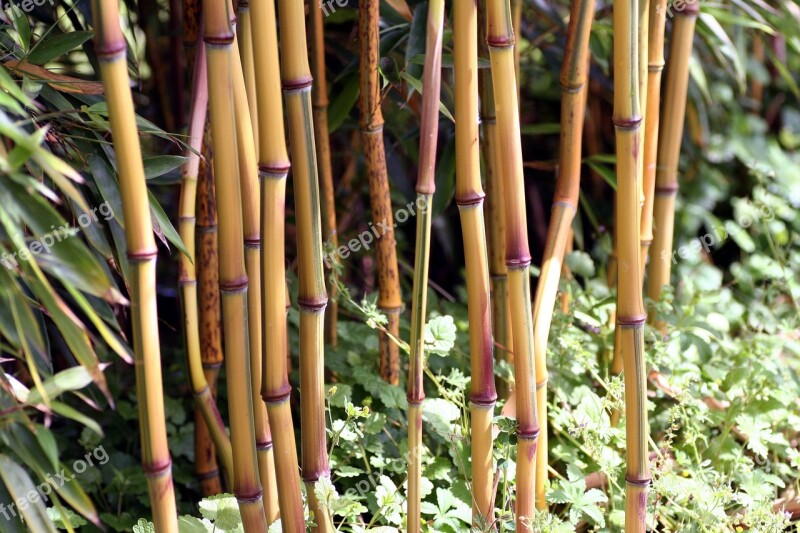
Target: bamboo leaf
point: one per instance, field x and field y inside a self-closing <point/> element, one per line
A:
<point x="49" y="49"/>
<point x="163" y="227"/>
<point x="343" y="102"/>
<point x="19" y="485"/>
<point x="162" y="164"/>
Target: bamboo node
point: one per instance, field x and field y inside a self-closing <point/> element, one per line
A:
<point x="416" y="401"/>
<point x="631" y="123"/>
<point x="141" y="257"/>
<point x="470" y="198"/>
<point x="639" y="482"/>
<point x="530" y="434"/>
<point x="278" y="396"/>
<point x="111" y="52"/>
<point x="566" y="204"/>
<point x="483" y="400"/>
<point x="690" y="9"/>
<point x="519" y="263"/>
<point x="631" y="321"/>
<point x="273" y="171"/>
<point x="208" y="475"/>
<point x="158" y="470"/>
<point x="299" y="85"/>
<point x="249" y="497"/>
<point x="252" y="243"/>
<point x="219" y="41"/>
<point x="501" y="41"/>
<point x="263" y="446"/>
<point x="572" y="88"/>
<point x="233" y="286"/>
<point x="313" y="304"/>
<point x="667" y="190"/>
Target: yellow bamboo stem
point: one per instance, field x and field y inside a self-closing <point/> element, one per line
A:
<point x="244" y="32"/>
<point x="319" y="99"/>
<point x="574" y="90"/>
<point x="111" y="51"/>
<point x="312" y="298"/>
<point x="273" y="166"/>
<point x="219" y="39"/>
<point x="469" y="197"/>
<point x="630" y="307"/>
<point x="669" y="151"/>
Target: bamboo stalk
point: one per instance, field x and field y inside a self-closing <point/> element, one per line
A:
<point x="429" y="131"/>
<point x="111" y="51"/>
<point x="469" y="198"/>
<point x="371" y="125"/>
<point x="500" y="38"/>
<point x="655" y="51"/>
<point x="574" y="90"/>
<point x="233" y="280"/>
<point x="207" y="267"/>
<point x="273" y="166"/>
<point x="630" y="307"/>
<point x="669" y="151"/>
<point x="312" y="298"/>
<point x="495" y="213"/>
<point x="248" y="182"/>
<point x="204" y="399"/>
<point x="319" y="99"/>
<point x="191" y="31"/>
<point x="244" y="33"/>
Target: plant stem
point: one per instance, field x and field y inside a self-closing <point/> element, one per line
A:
<point x="111" y="51"/>
<point x="501" y="42"/>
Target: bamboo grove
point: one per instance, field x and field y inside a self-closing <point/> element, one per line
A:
<point x="259" y="114"/>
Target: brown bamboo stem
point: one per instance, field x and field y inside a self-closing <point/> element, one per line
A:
<point x="371" y="125"/>
<point x="111" y="51"/>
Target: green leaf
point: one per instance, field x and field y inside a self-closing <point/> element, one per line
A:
<point x="162" y="164"/>
<point x="51" y="47"/>
<point x="163" y="227"/>
<point x="417" y="85"/>
<point x="222" y="509"/>
<point x="74" y="378"/>
<point x="144" y="526"/>
<point x="440" y="335"/>
<point x="344" y="100"/>
<point x="19" y="486"/>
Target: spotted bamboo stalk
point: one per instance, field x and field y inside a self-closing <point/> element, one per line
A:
<point x="371" y="125"/>
<point x="669" y="151"/>
<point x="319" y="99"/>
<point x="312" y="298"/>
<point x="429" y="130"/>
<point x="630" y="306"/>
<point x="574" y="90"/>
<point x="469" y="197"/>
<point x="111" y="51"/>
<point x="219" y="39"/>
<point x="501" y="42"/>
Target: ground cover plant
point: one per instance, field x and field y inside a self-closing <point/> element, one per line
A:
<point x="506" y="265"/>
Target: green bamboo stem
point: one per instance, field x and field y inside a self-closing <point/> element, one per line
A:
<point x="574" y="90"/>
<point x="273" y="167"/>
<point x="429" y="131"/>
<point x="469" y="198"/>
<point x="630" y="307"/>
<point x="500" y="39"/>
<point x="669" y="151"/>
<point x="233" y="281"/>
<point x="312" y="298"/>
<point x="188" y="279"/>
<point x="111" y="51"/>
<point x="371" y="125"/>
<point x="319" y="99"/>
<point x="495" y="213"/>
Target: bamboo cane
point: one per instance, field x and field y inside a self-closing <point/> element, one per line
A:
<point x="273" y="167"/>
<point x="207" y="266"/>
<point x="469" y="197"/>
<point x="655" y="52"/>
<point x="429" y="130"/>
<point x="312" y="298"/>
<point x="495" y="214"/>
<point x="371" y="125"/>
<point x="191" y="31"/>
<point x="233" y="281"/>
<point x="188" y="281"/>
<point x="319" y="98"/>
<point x="500" y="38"/>
<point x="248" y="179"/>
<point x="630" y="307"/>
<point x="574" y="90"/>
<point x="244" y="33"/>
<point x="111" y="51"/>
<point x="669" y="150"/>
